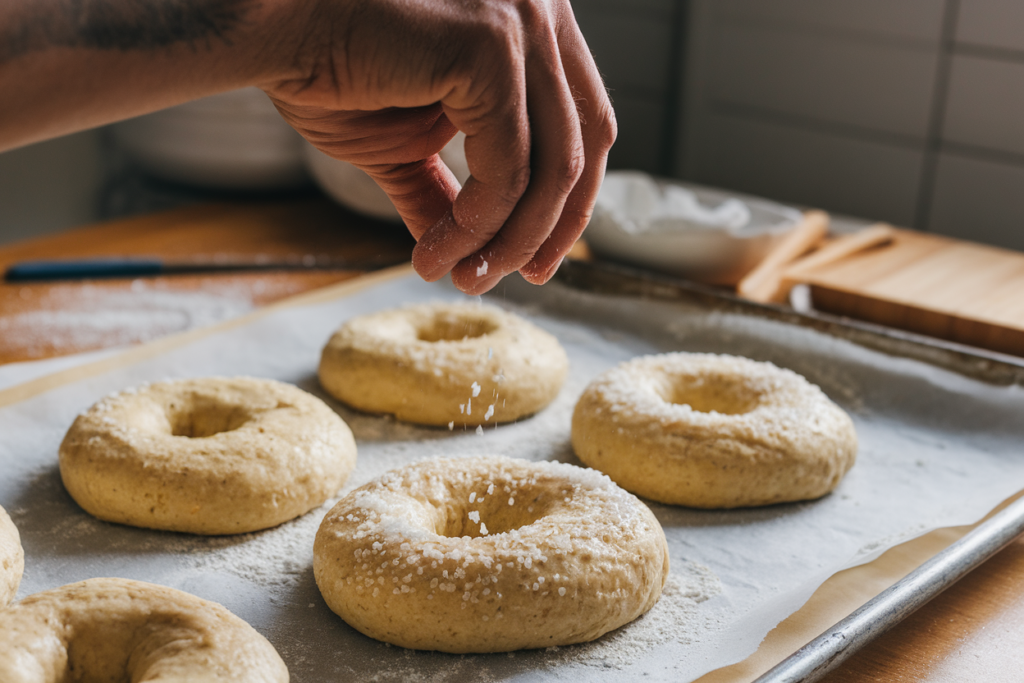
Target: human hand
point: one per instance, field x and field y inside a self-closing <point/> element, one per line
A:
<point x="389" y="82"/>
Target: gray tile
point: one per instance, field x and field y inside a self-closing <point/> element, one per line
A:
<point x="641" y="140"/>
<point x="992" y="23"/>
<point x="654" y="8"/>
<point x="50" y="186"/>
<point x="850" y="176"/>
<point x="986" y="104"/>
<point x="631" y="51"/>
<point x="880" y="87"/>
<point x="918" y="20"/>
<point x="979" y="200"/>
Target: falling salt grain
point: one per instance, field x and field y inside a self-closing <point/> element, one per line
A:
<point x="483" y="532"/>
<point x="480" y="430"/>
<point x="482" y="270"/>
<point x="476" y="389"/>
<point x="451" y="425"/>
<point x="489" y="413"/>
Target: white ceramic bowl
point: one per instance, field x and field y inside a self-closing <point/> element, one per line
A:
<point x="352" y="188"/>
<point x="700" y="233"/>
<point x="234" y="140"/>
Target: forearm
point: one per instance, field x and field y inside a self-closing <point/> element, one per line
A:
<point x="68" y="65"/>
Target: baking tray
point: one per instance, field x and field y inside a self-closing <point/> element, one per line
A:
<point x="832" y="647"/>
<point x="735" y="571"/>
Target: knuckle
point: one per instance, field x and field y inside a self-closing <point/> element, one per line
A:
<point x="511" y="192"/>
<point x="605" y="128"/>
<point x="499" y="27"/>
<point x="571" y="170"/>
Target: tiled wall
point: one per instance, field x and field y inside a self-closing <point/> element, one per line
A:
<point x="910" y="111"/>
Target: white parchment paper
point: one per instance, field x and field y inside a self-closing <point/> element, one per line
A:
<point x="936" y="450"/>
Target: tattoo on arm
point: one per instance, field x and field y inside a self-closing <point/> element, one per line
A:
<point x="121" y="25"/>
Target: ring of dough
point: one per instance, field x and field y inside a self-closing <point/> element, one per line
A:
<point x="206" y="456"/>
<point x="12" y="559"/>
<point x="444" y="364"/>
<point x="489" y="555"/>
<point x="712" y="431"/>
<point x="121" y="630"/>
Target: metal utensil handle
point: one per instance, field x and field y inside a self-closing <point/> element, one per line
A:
<point x="889" y="607"/>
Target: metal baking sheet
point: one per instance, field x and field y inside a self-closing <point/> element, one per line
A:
<point x="939" y="447"/>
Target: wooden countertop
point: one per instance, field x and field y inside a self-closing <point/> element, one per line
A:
<point x="37" y="320"/>
<point x="970" y="633"/>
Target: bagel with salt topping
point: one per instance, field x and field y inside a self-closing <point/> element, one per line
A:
<point x="444" y="364"/>
<point x="489" y="554"/>
<point x="122" y="630"/>
<point x="713" y="431"/>
<point x="213" y="455"/>
<point x="12" y="559"/>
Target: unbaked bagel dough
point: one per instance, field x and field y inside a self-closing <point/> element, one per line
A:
<point x="122" y="630"/>
<point x="12" y="559"/>
<point x="713" y="431"/>
<point x="207" y="456"/>
<point x="489" y="554"/>
<point x="444" y="364"/>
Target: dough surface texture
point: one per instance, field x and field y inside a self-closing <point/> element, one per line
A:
<point x="444" y="364"/>
<point x="489" y="554"/>
<point x="713" y="431"/>
<point x="206" y="456"/>
<point x="12" y="559"/>
<point x="122" y="630"/>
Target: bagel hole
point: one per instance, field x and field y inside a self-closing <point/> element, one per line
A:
<point x="495" y="514"/>
<point x="449" y="328"/>
<point x="204" y="417"/>
<point x="713" y="395"/>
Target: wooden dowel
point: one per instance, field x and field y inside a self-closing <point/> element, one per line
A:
<point x="840" y="248"/>
<point x="764" y="281"/>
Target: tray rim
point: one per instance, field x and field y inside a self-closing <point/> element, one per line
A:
<point x="602" y="277"/>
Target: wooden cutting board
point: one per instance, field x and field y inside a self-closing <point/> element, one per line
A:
<point x="939" y="286"/>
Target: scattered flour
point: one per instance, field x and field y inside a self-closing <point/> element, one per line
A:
<point x="675" y="618"/>
<point x="97" y="317"/>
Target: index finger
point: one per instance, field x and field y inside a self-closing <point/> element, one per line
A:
<point x="491" y="110"/>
